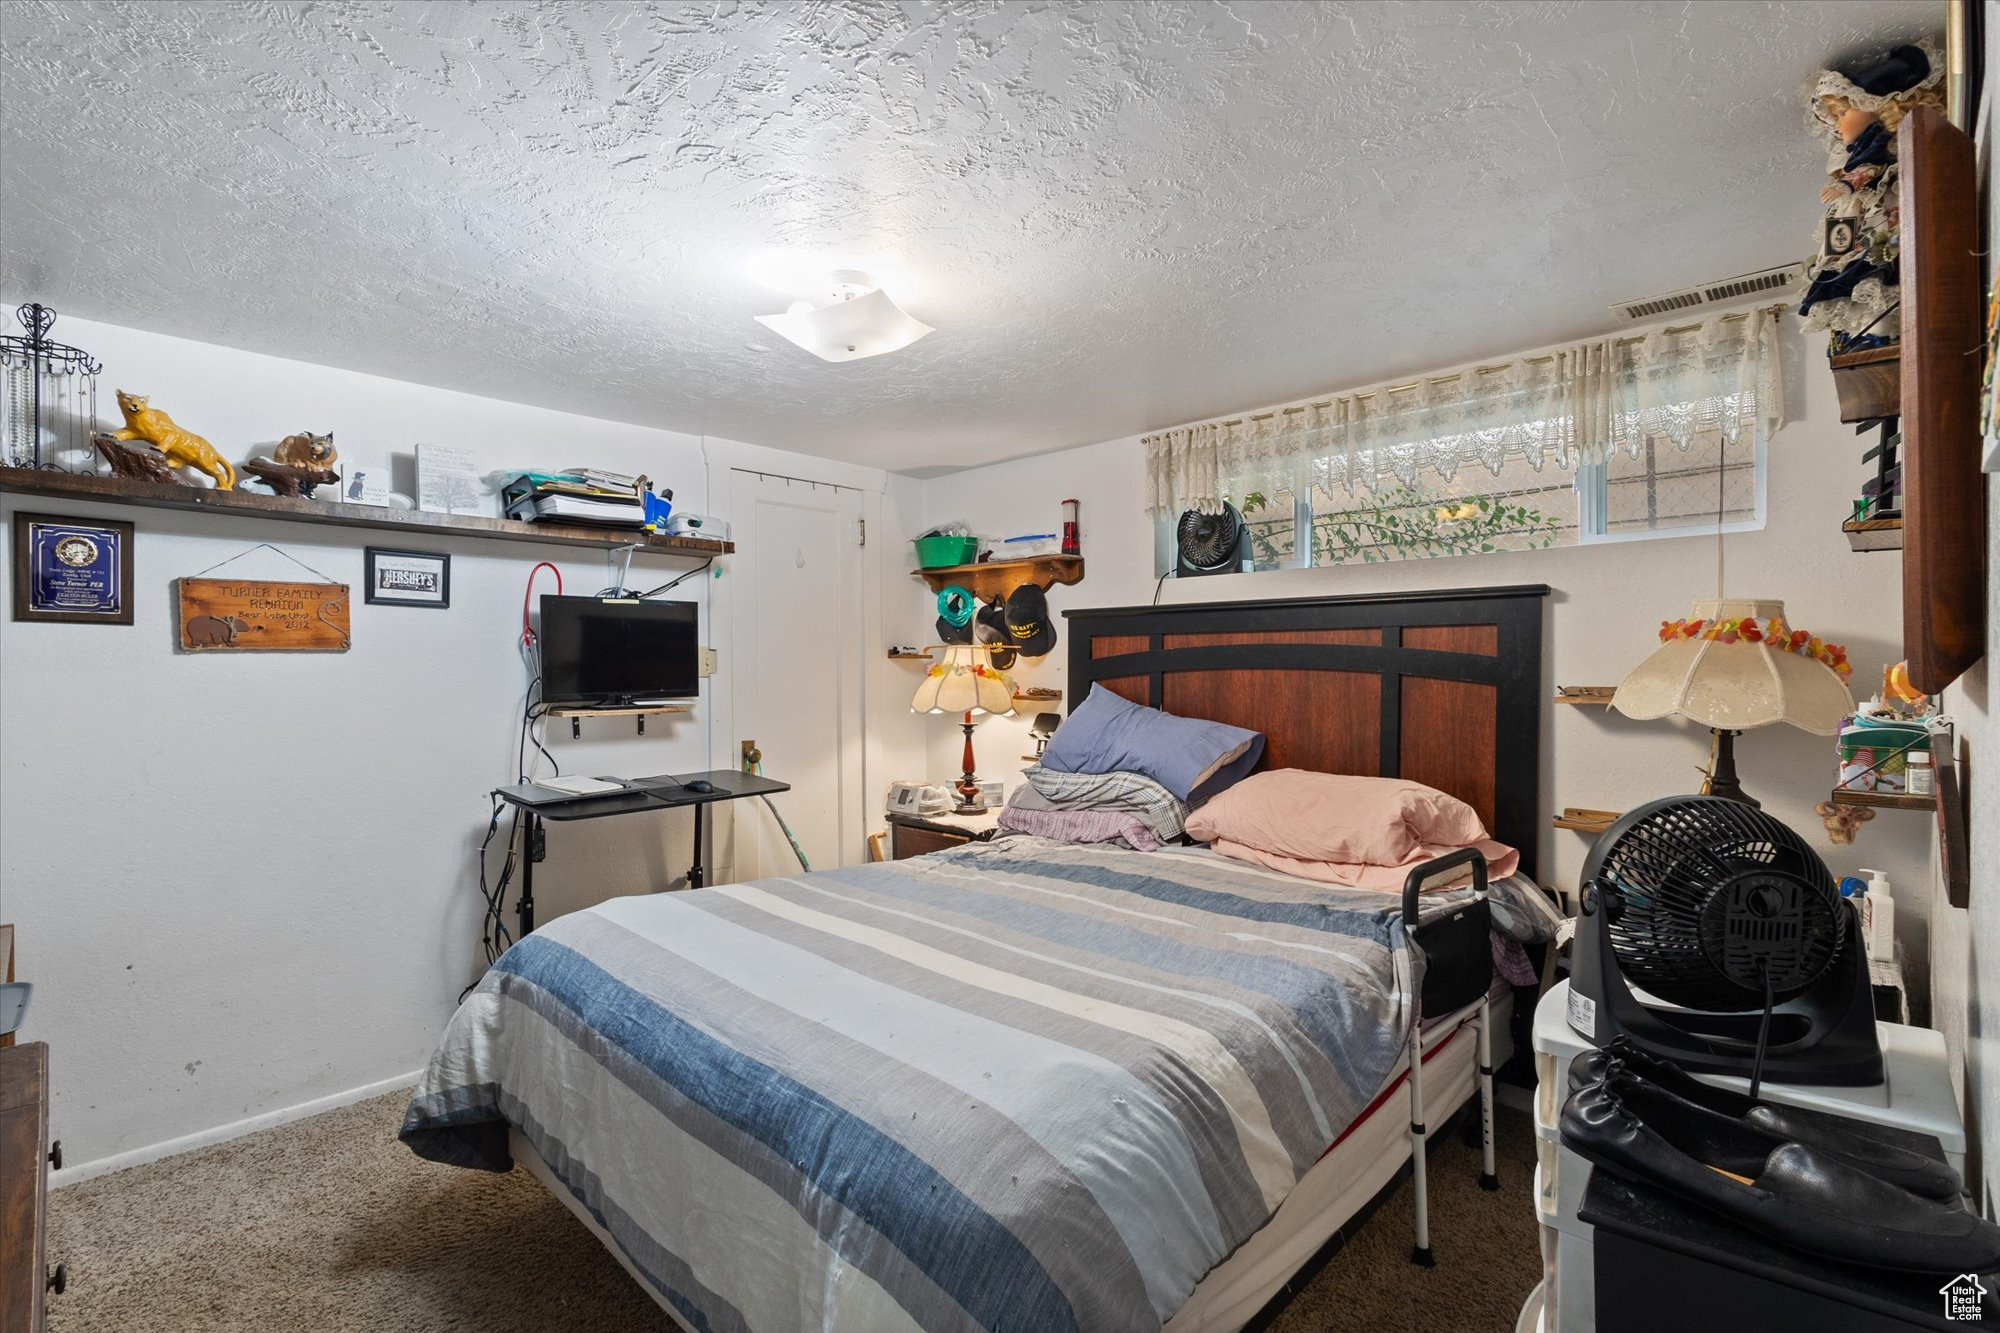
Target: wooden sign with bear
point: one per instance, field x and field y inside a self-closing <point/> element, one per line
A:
<point x="245" y="615"/>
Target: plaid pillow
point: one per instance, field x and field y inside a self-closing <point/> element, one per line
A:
<point x="1100" y="825"/>
<point x="1133" y="793"/>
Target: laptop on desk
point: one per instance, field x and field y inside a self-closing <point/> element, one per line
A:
<point x="547" y="792"/>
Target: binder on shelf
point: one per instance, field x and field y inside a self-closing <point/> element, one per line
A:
<point x="535" y="498"/>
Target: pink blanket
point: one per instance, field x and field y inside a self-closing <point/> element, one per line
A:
<point x="1501" y="861"/>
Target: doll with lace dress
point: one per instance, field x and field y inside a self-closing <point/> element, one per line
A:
<point x="1853" y="270"/>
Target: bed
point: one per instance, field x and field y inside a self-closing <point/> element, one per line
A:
<point x="1030" y="1085"/>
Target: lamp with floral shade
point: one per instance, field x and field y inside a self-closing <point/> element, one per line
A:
<point x="966" y="682"/>
<point x="1734" y="665"/>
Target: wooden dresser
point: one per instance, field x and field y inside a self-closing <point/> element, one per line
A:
<point x="24" y="1163"/>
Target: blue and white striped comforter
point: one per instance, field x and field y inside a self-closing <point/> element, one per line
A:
<point x="1019" y="1085"/>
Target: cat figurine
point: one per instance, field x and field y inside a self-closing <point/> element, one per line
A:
<point x="182" y="447"/>
<point x="306" y="450"/>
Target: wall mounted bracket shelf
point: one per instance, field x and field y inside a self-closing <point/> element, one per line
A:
<point x="1874" y="534"/>
<point x="637" y="714"/>
<point x="1883" y="800"/>
<point x="409" y="522"/>
<point x="998" y="578"/>
<point x="1585" y="820"/>
<point x="1870" y="383"/>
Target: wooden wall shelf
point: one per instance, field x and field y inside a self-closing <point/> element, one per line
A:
<point x="1587" y="821"/>
<point x="409" y="522"/>
<point x="638" y="713"/>
<point x="1870" y="383"/>
<point x="998" y="578"/>
<point x="1883" y="800"/>
<point x="1874" y="534"/>
<point x="1585" y="694"/>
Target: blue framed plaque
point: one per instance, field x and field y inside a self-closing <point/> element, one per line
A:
<point x="72" y="571"/>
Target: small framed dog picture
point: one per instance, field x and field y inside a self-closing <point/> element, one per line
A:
<point x="408" y="578"/>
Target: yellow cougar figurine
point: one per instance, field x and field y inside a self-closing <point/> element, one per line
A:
<point x="182" y="447"/>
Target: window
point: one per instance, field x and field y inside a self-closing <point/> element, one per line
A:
<point x="1657" y="435"/>
<point x="1519" y="508"/>
<point x="1670" y="492"/>
<point x="1664" y="491"/>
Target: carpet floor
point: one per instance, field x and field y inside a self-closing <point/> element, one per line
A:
<point x="329" y="1224"/>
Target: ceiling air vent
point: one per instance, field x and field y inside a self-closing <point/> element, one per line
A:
<point x="1708" y="293"/>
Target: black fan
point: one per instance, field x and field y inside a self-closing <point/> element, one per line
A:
<point x="1727" y="916"/>
<point x="1211" y="542"/>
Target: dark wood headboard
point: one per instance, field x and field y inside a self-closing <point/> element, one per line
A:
<point x="1444" y="688"/>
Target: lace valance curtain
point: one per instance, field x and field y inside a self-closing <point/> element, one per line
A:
<point x="1572" y="406"/>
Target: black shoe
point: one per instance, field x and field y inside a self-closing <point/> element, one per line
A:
<point x="1794" y="1194"/>
<point x="1844" y="1140"/>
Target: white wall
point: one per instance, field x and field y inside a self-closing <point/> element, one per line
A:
<point x="898" y="737"/>
<point x="245" y="883"/>
<point x="1603" y="619"/>
<point x="1966" y="943"/>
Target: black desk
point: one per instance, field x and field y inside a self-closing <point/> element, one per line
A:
<point x="641" y="796"/>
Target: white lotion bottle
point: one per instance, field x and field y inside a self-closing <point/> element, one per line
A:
<point x="1881" y="916"/>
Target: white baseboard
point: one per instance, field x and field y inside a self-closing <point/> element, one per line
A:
<point x="235" y="1129"/>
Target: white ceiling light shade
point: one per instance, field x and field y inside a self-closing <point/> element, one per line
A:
<point x="860" y="321"/>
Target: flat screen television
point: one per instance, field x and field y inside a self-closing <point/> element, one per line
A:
<point x="610" y="652"/>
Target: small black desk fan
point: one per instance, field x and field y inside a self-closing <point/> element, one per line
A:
<point x="1211" y="542"/>
<point x="1729" y="918"/>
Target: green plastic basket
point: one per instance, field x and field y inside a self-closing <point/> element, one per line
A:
<point x="940" y="552"/>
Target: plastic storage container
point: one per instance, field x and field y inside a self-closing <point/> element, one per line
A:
<point x="940" y="552"/>
<point x="1032" y="544"/>
<point x="1874" y="753"/>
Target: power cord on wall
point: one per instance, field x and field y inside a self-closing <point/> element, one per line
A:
<point x="676" y="582"/>
<point x="494" y="936"/>
<point x="753" y="762"/>
<point x="622" y="591"/>
<point x="532" y="709"/>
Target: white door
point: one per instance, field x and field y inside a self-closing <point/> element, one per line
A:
<point x="798" y="608"/>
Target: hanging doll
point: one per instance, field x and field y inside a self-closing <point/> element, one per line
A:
<point x="1853" y="271"/>
<point x="1858" y="236"/>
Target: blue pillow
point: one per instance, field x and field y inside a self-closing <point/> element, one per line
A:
<point x="1191" y="758"/>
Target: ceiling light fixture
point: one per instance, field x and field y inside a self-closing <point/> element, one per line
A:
<point x="860" y="321"/>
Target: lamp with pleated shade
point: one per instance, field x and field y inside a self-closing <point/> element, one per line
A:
<point x="1737" y="664"/>
<point x="966" y="682"/>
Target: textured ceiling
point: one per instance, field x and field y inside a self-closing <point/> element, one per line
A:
<point x="1118" y="215"/>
